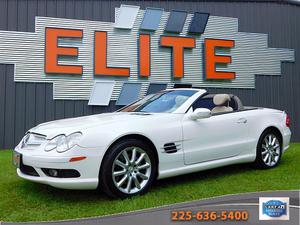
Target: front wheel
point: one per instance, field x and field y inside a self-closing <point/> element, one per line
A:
<point x="128" y="169"/>
<point x="269" y="150"/>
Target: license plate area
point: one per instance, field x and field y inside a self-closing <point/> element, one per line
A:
<point x="16" y="159"/>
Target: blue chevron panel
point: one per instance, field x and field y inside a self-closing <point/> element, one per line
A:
<point x="198" y="23"/>
<point x="176" y="21"/>
<point x="156" y="87"/>
<point x="130" y="92"/>
<point x="126" y="16"/>
<point x="151" y="18"/>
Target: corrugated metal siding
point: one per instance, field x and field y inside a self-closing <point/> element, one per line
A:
<point x="250" y="55"/>
<point x="24" y="105"/>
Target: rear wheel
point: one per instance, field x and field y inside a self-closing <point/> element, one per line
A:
<point x="128" y="169"/>
<point x="269" y="150"/>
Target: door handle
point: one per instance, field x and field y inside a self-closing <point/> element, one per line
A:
<point x="242" y="120"/>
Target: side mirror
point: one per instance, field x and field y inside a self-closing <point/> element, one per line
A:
<point x="200" y="113"/>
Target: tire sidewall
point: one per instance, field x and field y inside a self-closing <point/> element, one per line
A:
<point x="105" y="175"/>
<point x="259" y="159"/>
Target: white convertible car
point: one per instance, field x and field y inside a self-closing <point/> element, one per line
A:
<point x="166" y="134"/>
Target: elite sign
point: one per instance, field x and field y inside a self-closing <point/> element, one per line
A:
<point x="73" y="54"/>
<point x="177" y="43"/>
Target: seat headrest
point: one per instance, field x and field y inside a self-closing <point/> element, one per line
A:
<point x="180" y="99"/>
<point x="221" y="99"/>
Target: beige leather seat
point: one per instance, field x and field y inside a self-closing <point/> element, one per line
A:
<point x="222" y="103"/>
<point x="179" y="100"/>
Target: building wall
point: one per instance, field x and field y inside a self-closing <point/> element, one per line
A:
<point x="24" y="105"/>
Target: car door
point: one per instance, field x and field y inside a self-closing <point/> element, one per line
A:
<point x="217" y="137"/>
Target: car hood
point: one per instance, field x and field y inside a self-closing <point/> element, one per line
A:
<point x="68" y="126"/>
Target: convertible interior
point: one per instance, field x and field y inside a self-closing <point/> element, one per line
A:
<point x="219" y="103"/>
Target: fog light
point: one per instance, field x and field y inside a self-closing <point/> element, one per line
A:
<point x="61" y="173"/>
<point x="53" y="173"/>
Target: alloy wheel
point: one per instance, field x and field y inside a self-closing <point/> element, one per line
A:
<point x="131" y="170"/>
<point x="270" y="150"/>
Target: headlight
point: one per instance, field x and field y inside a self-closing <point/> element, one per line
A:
<point x="52" y="143"/>
<point x="63" y="143"/>
<point x="23" y="141"/>
<point x="73" y="139"/>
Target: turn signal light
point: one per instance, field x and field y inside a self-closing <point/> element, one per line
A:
<point x="74" y="159"/>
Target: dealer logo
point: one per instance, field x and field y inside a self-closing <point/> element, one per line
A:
<point x="142" y="47"/>
<point x="274" y="209"/>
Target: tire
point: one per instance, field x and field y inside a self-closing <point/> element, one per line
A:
<point x="268" y="150"/>
<point x="128" y="169"/>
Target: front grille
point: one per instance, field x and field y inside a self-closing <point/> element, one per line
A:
<point x="32" y="140"/>
<point x="28" y="170"/>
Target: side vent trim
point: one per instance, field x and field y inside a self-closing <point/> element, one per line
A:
<point x="171" y="148"/>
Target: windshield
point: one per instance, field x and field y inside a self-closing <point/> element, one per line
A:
<point x="167" y="101"/>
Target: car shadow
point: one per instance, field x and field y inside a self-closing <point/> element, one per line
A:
<point x="50" y="193"/>
<point x="216" y="173"/>
<point x="211" y="174"/>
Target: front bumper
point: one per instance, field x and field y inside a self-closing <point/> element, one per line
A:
<point x="64" y="183"/>
<point x="88" y="168"/>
